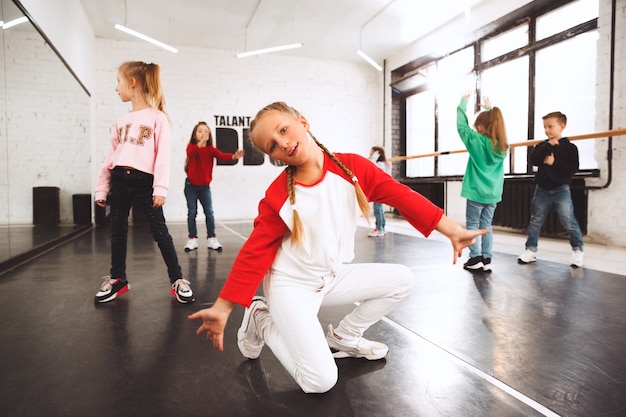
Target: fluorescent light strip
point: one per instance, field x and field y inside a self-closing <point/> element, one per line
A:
<point x="369" y="60"/>
<point x="267" y="50"/>
<point x="146" y="38"/>
<point x="14" y="22"/>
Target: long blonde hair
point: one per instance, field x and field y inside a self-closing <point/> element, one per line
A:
<point x="297" y="231"/>
<point x="492" y="125"/>
<point x="148" y="77"/>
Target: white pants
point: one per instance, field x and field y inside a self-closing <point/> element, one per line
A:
<point x="293" y="331"/>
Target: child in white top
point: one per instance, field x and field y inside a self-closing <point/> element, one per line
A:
<point x="302" y="255"/>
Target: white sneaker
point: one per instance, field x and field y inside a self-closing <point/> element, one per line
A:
<point x="376" y="233"/>
<point x="213" y="243"/>
<point x="249" y="342"/>
<point x="527" y="257"/>
<point x="355" y="348"/>
<point x="192" y="244"/>
<point x="577" y="258"/>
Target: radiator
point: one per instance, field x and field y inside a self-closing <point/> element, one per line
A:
<point x="434" y="191"/>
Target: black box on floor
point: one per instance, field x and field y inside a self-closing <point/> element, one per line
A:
<point x="46" y="206"/>
<point x="81" y="204"/>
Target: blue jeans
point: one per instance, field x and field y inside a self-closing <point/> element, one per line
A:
<point x="127" y="186"/>
<point x="479" y="216"/>
<point x="193" y="193"/>
<point x="379" y="214"/>
<point x="560" y="199"/>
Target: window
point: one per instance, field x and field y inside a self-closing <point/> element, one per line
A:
<point x="420" y="113"/>
<point x="567" y="83"/>
<point x="456" y="77"/>
<point x="506" y="42"/>
<point x="566" y="17"/>
<point x="524" y="77"/>
<point x="507" y="87"/>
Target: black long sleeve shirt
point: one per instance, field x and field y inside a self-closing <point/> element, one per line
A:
<point x="564" y="167"/>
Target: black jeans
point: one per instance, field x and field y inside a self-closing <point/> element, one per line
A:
<point x="128" y="185"/>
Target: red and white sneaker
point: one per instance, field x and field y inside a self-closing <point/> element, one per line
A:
<point x="182" y="291"/>
<point x="111" y="288"/>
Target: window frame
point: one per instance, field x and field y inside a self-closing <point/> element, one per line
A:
<point x="402" y="86"/>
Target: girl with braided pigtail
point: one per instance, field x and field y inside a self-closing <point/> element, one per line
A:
<point x="302" y="253"/>
<point x="296" y="234"/>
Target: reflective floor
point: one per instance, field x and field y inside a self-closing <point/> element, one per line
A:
<point x="21" y="242"/>
<point x="525" y="340"/>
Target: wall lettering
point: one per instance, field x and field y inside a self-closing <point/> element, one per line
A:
<point x="228" y="130"/>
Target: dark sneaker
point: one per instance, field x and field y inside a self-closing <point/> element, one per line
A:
<point x="111" y="288"/>
<point x="182" y="291"/>
<point x="358" y="347"/>
<point x="487" y="264"/>
<point x="474" y="264"/>
<point x="249" y="342"/>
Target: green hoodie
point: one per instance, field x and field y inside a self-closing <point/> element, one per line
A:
<point x="484" y="174"/>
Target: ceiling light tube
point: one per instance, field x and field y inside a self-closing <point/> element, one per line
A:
<point x="267" y="50"/>
<point x="146" y="38"/>
<point x="369" y="60"/>
<point x="14" y="22"/>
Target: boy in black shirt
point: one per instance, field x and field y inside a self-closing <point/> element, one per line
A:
<point x="557" y="160"/>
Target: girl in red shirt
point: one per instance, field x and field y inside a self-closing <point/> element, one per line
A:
<point x="199" y="169"/>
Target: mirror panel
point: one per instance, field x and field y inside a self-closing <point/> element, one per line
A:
<point x="4" y="151"/>
<point x="44" y="139"/>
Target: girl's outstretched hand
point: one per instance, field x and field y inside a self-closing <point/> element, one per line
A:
<point x="464" y="239"/>
<point x="459" y="236"/>
<point x="214" y="321"/>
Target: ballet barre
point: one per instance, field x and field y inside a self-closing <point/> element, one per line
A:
<point x="595" y="135"/>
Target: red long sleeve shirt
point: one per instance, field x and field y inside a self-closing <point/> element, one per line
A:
<point x="200" y="163"/>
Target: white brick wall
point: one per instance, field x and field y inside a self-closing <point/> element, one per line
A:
<point x="607" y="207"/>
<point x="341" y="101"/>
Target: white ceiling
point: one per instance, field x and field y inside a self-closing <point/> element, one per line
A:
<point x="328" y="29"/>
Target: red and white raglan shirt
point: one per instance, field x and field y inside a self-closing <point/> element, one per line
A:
<point x="140" y="140"/>
<point x="329" y="212"/>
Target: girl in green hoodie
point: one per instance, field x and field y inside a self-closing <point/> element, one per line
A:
<point x="484" y="176"/>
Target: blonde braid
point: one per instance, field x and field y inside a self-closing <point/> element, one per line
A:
<point x="360" y="195"/>
<point x="297" y="231"/>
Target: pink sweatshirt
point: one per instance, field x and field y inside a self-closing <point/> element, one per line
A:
<point x="140" y="140"/>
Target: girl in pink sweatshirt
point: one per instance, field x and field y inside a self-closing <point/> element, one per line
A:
<point x="137" y="168"/>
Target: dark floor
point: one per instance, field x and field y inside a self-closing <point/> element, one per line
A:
<point x="19" y="243"/>
<point x="532" y="340"/>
